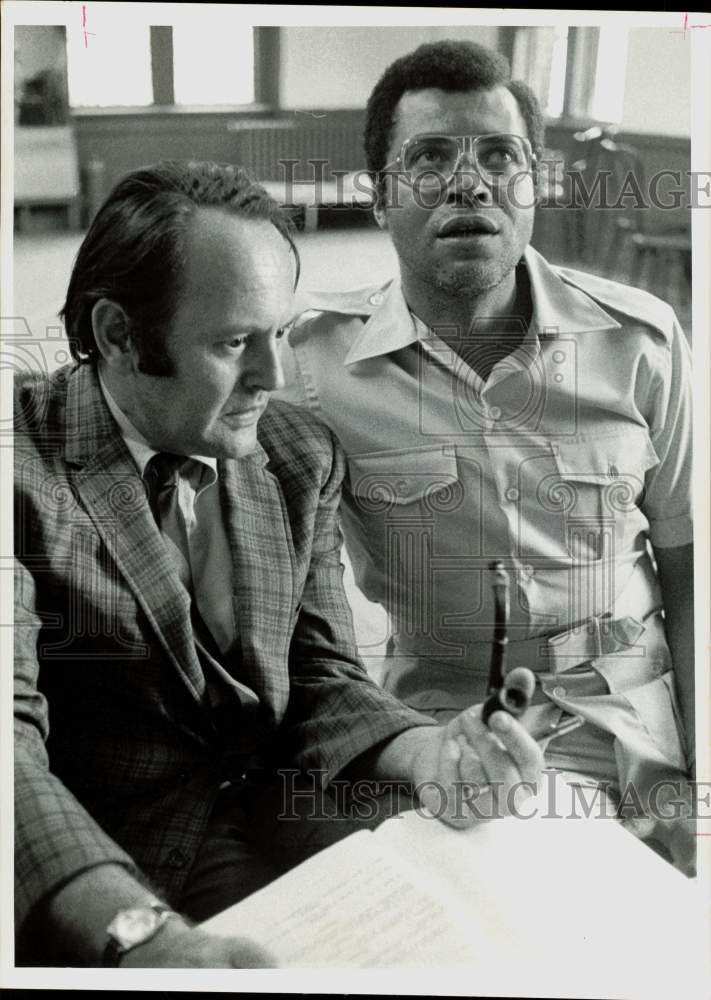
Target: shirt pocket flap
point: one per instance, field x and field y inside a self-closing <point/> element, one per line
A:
<point x="402" y="477"/>
<point x="605" y="458"/>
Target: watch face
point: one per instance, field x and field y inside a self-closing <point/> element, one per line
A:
<point x="131" y="927"/>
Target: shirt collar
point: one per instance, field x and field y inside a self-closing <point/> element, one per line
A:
<point x="390" y="328"/>
<point x="558" y="308"/>
<point x="141" y="451"/>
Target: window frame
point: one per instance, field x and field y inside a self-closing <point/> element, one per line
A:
<point x="580" y="68"/>
<point x="266" y="80"/>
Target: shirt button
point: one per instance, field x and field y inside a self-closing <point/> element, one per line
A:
<point x="376" y="298"/>
<point x="558" y="691"/>
<point x="176" y="858"/>
<point x="495" y="412"/>
<point x="512" y="494"/>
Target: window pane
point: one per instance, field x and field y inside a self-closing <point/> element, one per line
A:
<point x="213" y="61"/>
<point x="111" y="64"/>
<point x="539" y="59"/>
<point x="610" y="74"/>
<point x="559" y="59"/>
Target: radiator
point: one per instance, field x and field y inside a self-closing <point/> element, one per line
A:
<point x="264" y="148"/>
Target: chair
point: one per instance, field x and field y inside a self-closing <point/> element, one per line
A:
<point x="619" y="242"/>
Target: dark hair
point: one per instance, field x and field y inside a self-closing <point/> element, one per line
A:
<point x="449" y="65"/>
<point x="134" y="251"/>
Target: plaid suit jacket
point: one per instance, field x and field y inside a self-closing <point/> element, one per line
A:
<point x="117" y="758"/>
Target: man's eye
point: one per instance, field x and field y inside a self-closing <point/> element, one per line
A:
<point x="501" y="156"/>
<point x="237" y="342"/>
<point x="284" y="331"/>
<point x="427" y="156"/>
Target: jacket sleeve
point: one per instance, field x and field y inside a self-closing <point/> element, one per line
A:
<point x="55" y="838"/>
<point x="336" y="712"/>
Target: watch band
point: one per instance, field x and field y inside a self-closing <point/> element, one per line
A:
<point x="132" y="927"/>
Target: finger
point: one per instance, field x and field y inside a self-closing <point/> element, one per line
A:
<point x="472" y="790"/>
<point x="469" y="725"/>
<point x="470" y="766"/>
<point x="437" y="793"/>
<point x="196" y="949"/>
<point x="494" y="764"/>
<point x="525" y="753"/>
<point x="501" y="771"/>
<point x="245" y="954"/>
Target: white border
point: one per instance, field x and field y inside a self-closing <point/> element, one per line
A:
<point x="354" y="981"/>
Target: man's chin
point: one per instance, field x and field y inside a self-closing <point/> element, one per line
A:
<point x="473" y="277"/>
<point x="239" y="444"/>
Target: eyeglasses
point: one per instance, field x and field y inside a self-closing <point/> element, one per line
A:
<point x="432" y="159"/>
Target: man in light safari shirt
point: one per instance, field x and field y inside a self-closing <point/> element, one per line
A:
<point x="493" y="407"/>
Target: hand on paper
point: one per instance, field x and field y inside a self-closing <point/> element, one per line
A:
<point x="177" y="946"/>
<point x="468" y="771"/>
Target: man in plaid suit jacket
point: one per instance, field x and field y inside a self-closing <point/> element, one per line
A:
<point x="145" y="757"/>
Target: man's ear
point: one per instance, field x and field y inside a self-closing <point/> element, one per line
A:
<point x="111" y="331"/>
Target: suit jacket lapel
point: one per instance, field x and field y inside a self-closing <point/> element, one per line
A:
<point x="263" y="573"/>
<point x="113" y="494"/>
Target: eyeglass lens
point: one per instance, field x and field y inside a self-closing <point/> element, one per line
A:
<point x="498" y="157"/>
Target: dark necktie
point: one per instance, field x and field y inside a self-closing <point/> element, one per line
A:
<point x="162" y="477"/>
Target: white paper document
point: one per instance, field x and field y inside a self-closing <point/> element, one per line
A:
<point x="552" y="905"/>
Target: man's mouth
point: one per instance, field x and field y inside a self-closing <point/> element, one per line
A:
<point x="246" y="416"/>
<point x="462" y="226"/>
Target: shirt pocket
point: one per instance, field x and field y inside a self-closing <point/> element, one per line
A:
<point x="398" y="503"/>
<point x="418" y="481"/>
<point x="595" y="491"/>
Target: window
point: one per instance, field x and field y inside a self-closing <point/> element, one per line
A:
<point x="118" y="58"/>
<point x="213" y="63"/>
<point x="609" y="93"/>
<point x="108" y="60"/>
<point x="578" y="72"/>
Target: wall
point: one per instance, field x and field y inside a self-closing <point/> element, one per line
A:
<point x="38" y="47"/>
<point x="663" y="56"/>
<point x="352" y="59"/>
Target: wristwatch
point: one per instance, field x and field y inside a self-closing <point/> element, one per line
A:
<point x="132" y="927"/>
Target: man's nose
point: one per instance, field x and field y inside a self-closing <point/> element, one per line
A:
<point x="467" y="176"/>
<point x="266" y="371"/>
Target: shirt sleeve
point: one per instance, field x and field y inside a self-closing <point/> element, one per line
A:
<point x="667" y="500"/>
